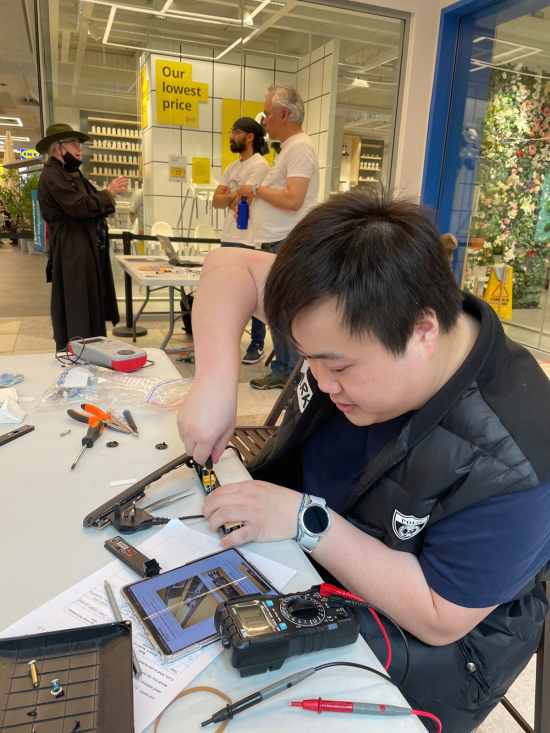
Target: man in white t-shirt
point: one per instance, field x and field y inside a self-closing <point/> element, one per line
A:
<point x="246" y="138"/>
<point x="289" y="191"/>
<point x="136" y="210"/>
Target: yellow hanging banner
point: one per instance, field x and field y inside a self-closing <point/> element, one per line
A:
<point x="498" y="293"/>
<point x="178" y="96"/>
<point x="144" y="98"/>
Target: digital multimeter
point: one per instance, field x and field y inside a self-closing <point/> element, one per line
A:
<point x="259" y="631"/>
<point x="109" y="353"/>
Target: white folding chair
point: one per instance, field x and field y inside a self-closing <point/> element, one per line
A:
<point x="204" y="231"/>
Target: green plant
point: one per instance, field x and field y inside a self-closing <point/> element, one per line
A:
<point x="18" y="200"/>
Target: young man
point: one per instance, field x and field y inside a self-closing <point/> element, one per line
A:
<point x="246" y="138"/>
<point x="418" y="429"/>
<point x="289" y="191"/>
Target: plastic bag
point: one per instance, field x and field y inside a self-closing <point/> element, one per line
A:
<point x="8" y="380"/>
<point x="107" y="388"/>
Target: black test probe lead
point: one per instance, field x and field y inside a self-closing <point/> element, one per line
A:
<point x="229" y="711"/>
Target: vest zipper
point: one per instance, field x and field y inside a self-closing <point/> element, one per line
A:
<point x="374" y="479"/>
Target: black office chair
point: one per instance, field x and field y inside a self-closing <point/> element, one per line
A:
<point x="542" y="682"/>
<point x="250" y="439"/>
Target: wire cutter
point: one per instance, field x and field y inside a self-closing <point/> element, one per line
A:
<point x="112" y="421"/>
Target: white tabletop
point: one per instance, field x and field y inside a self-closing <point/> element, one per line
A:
<point x="45" y="550"/>
<point x="180" y="276"/>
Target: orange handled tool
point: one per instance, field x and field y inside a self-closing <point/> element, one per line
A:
<point x="112" y="421"/>
<point x="94" y="431"/>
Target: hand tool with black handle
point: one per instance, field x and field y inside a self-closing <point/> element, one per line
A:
<point x="131" y="422"/>
<point x="94" y="431"/>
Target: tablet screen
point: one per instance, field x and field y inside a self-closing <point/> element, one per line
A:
<point x="178" y="607"/>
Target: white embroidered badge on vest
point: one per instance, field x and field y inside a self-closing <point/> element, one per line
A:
<point x="407" y="526"/>
<point x="304" y="391"/>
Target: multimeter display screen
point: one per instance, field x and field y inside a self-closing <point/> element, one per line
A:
<point x="253" y="619"/>
<point x="177" y="607"/>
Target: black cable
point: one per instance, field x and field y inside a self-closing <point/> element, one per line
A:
<point x="192" y="516"/>
<point x="407" y="649"/>
<point x="66" y="355"/>
<point x="335" y="600"/>
<point x="236" y="451"/>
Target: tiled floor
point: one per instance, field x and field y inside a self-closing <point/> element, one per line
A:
<point x="25" y="327"/>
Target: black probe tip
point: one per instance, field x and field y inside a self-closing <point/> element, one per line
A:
<point x="207" y="722"/>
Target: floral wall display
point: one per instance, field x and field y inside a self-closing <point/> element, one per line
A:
<point x="514" y="161"/>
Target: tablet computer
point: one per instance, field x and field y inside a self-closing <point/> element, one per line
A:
<point x="176" y="609"/>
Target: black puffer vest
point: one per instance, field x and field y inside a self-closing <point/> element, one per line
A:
<point x="485" y="433"/>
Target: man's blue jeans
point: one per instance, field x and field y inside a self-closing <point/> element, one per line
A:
<point x="286" y="357"/>
<point x="257" y="332"/>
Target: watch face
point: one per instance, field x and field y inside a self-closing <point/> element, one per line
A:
<point x="315" y="519"/>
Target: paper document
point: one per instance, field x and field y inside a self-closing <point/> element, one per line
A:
<point x="86" y="604"/>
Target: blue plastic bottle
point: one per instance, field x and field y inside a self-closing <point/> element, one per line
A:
<point x="242" y="214"/>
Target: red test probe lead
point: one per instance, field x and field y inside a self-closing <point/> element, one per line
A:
<point x="327" y="590"/>
<point x="361" y="708"/>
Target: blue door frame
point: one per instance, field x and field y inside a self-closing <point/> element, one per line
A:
<point x="435" y="193"/>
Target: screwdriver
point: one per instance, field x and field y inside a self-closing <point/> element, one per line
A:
<point x="94" y="431"/>
<point x="209" y="466"/>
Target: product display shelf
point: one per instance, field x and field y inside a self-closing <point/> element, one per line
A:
<point x="112" y="175"/>
<point x="119" y="137"/>
<point x="101" y="147"/>
<point x="371" y="151"/>
<point x="114" y="122"/>
<point x="114" y="162"/>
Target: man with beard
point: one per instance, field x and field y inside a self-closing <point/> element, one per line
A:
<point x="79" y="267"/>
<point x="246" y="137"/>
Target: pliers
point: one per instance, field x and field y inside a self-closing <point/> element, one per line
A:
<point x="111" y="419"/>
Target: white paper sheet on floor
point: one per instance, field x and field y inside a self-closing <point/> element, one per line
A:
<point x="86" y="604"/>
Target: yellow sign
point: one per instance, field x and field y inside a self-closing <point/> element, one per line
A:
<point x="201" y="171"/>
<point x="231" y="111"/>
<point x="144" y="98"/>
<point x="493" y="291"/>
<point x="178" y="96"/>
<point x="28" y="153"/>
<point x="177" y="172"/>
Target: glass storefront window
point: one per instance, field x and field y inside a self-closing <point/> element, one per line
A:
<point x="497" y="158"/>
<point x="100" y="67"/>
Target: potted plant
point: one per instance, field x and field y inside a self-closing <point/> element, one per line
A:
<point x="17" y="201"/>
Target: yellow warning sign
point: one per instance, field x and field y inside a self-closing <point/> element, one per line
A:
<point x="498" y="293"/>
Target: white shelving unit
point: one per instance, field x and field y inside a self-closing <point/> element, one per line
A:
<point x="119" y="128"/>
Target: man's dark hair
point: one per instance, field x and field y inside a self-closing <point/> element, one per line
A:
<point x="379" y="257"/>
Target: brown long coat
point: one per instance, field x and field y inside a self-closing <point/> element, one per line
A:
<point x="83" y="296"/>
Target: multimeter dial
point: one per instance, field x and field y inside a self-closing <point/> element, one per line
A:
<point x="302" y="610"/>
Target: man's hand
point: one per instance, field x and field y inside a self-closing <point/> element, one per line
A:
<point x="245" y="191"/>
<point x="206" y="419"/>
<point x="118" y="185"/>
<point x="269" y="512"/>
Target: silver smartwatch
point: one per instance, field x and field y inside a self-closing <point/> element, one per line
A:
<point x="255" y="188"/>
<point x="313" y="522"/>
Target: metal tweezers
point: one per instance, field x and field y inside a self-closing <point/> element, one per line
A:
<point x="167" y="500"/>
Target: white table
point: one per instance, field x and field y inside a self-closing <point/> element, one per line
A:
<point x="180" y="277"/>
<point x="45" y="550"/>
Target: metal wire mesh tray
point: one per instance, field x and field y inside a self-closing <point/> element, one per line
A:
<point x="94" y="668"/>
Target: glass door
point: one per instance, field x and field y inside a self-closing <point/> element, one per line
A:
<point x="495" y="189"/>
